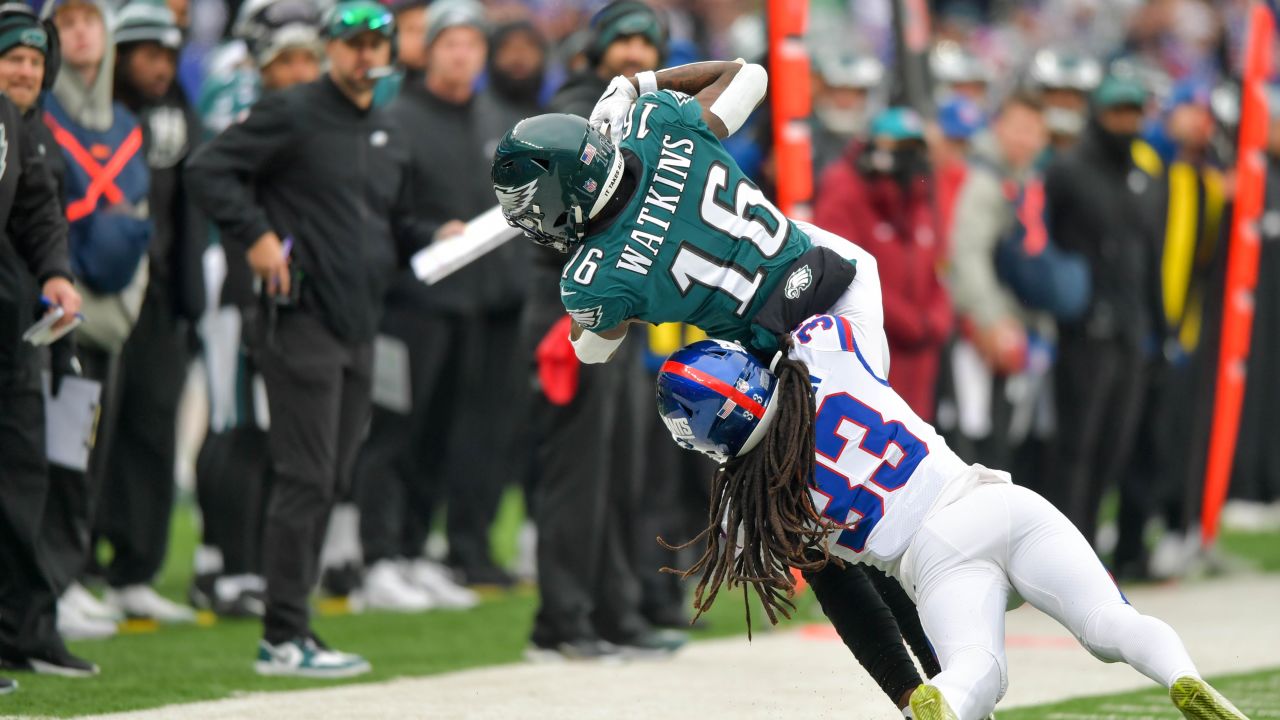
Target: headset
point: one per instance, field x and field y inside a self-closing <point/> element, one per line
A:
<point x="53" y="49"/>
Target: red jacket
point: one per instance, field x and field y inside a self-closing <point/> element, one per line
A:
<point x="900" y="228"/>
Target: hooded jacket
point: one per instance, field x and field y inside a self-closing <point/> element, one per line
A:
<point x="110" y="223"/>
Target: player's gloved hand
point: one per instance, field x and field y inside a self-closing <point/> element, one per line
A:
<point x="558" y="365"/>
<point x="612" y="108"/>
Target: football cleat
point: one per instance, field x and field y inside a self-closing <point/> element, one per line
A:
<point x="928" y="703"/>
<point x="1197" y="700"/>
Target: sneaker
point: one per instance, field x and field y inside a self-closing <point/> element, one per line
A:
<point x="75" y="625"/>
<point x="584" y="650"/>
<point x="54" y="661"/>
<point x="229" y="596"/>
<point x="304" y="657"/>
<point x="653" y="644"/>
<point x="385" y="588"/>
<point x="1197" y="700"/>
<point x="77" y="596"/>
<point x="340" y="580"/>
<point x="141" y="601"/>
<point x="434" y="579"/>
<point x="7" y="686"/>
<point x="928" y="703"/>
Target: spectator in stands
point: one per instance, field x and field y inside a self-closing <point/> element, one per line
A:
<point x="138" y="487"/>
<point x="278" y="47"/>
<point x="959" y="120"/>
<point x="109" y="238"/>
<point x="33" y="262"/>
<point x="1100" y="204"/>
<point x="881" y="193"/>
<point x="957" y="71"/>
<point x="517" y="66"/>
<point x="586" y="465"/>
<point x="1064" y="81"/>
<point x="996" y="330"/>
<point x="843" y="82"/>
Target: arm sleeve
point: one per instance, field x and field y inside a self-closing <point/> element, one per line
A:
<point x="221" y="174"/>
<point x="980" y="213"/>
<point x="35" y="224"/>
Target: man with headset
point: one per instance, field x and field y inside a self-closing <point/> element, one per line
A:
<point x="33" y="262"/>
<point x="316" y="185"/>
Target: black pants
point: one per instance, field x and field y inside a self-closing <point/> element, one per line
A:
<point x="585" y="492"/>
<point x="28" y="609"/>
<point x="69" y="514"/>
<point x="400" y="471"/>
<point x="138" y="488"/>
<point x="1100" y="386"/>
<point x="318" y="394"/>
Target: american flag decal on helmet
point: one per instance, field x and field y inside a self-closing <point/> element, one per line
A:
<point x="515" y="200"/>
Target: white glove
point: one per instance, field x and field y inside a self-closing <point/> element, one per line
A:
<point x="613" y="107"/>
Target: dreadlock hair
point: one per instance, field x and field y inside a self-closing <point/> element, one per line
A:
<point x="769" y="522"/>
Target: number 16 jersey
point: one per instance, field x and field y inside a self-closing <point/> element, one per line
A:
<point x="697" y="242"/>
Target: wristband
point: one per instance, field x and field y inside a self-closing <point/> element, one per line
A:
<point x="647" y="81"/>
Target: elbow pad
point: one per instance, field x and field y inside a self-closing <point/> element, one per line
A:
<point x="593" y="349"/>
<point x="741" y="96"/>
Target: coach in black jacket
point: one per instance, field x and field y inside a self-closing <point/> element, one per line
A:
<point x="314" y="169"/>
<point x="1100" y="204"/>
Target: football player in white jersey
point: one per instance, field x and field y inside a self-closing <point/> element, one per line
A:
<point x="824" y="462"/>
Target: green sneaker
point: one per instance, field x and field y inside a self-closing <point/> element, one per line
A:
<point x="928" y="704"/>
<point x="303" y="657"/>
<point x="1199" y="701"/>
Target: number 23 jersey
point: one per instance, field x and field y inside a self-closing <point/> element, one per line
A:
<point x="880" y="468"/>
<point x="697" y="242"/>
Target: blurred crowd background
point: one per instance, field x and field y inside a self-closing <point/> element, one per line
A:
<point x="1050" y="222"/>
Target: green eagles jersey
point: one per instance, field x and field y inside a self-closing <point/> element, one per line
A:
<point x="697" y="243"/>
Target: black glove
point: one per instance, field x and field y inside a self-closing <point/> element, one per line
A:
<point x="62" y="362"/>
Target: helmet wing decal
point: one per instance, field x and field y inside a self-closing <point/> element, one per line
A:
<point x="515" y="200"/>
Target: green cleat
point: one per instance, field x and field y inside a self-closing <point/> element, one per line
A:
<point x="928" y="704"/>
<point x="1199" y="701"/>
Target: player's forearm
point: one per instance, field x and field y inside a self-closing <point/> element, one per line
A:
<point x="690" y="79"/>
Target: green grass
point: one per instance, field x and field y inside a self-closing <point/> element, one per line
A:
<point x="187" y="664"/>
<point x="1256" y="694"/>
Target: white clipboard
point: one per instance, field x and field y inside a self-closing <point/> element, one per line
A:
<point x="487" y="232"/>
<point x="71" y="421"/>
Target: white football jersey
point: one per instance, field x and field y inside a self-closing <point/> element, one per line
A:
<point x="880" y="468"/>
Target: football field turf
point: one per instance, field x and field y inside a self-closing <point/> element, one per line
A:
<point x="148" y="667"/>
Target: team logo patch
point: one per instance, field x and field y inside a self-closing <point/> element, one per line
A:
<point x="590" y="185"/>
<point x="378" y="138"/>
<point x="587" y="318"/>
<point x="799" y="281"/>
<point x="515" y="200"/>
<point x="588" y="154"/>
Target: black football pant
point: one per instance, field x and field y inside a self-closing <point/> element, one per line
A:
<point x="28" y="601"/>
<point x="138" y="488"/>
<point x="318" y="394"/>
<point x="585" y="494"/>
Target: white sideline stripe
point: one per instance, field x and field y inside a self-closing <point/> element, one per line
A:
<point x="1229" y="626"/>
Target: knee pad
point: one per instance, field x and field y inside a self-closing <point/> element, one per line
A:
<point x="985" y="676"/>
<point x="1101" y="628"/>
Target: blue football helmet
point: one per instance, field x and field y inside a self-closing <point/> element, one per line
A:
<point x="716" y="398"/>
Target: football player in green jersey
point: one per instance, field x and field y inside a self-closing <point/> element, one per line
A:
<point x="661" y="224"/>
